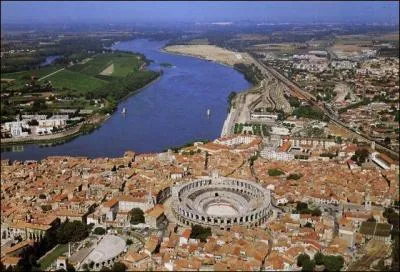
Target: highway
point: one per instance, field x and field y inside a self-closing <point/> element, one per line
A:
<point x="311" y="99"/>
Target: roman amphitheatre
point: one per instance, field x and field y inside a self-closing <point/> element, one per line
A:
<point x="220" y="202"/>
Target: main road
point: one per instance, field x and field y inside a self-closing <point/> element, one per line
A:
<point x="311" y="99"/>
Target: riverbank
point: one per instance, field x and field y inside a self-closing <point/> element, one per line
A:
<point x="62" y="136"/>
<point x="72" y="132"/>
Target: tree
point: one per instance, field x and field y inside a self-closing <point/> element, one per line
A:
<point x="38" y="105"/>
<point x="118" y="266"/>
<point x="46" y="208"/>
<point x="273" y="172"/>
<point x="33" y="122"/>
<point x="99" y="231"/>
<point x="42" y="196"/>
<point x="294" y="176"/>
<point x="316" y="212"/>
<point x="362" y="154"/>
<point x="137" y="216"/>
<point x="301" y="206"/>
<point x="308" y="265"/>
<point x="199" y="232"/>
<point x="294" y="101"/>
<point x="333" y="263"/>
<point x="319" y="258"/>
<point x="70" y="268"/>
<point x="308" y="225"/>
<point x="71" y="232"/>
<point x="85" y="267"/>
<point x="252" y="159"/>
<point x="302" y="258"/>
<point x="129" y="242"/>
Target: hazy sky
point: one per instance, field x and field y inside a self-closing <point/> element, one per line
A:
<point x="113" y="12"/>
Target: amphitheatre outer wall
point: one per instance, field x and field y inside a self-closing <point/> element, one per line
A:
<point x="249" y="204"/>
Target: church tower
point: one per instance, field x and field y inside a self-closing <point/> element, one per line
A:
<point x="150" y="200"/>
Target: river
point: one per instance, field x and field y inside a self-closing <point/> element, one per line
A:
<point x="168" y="113"/>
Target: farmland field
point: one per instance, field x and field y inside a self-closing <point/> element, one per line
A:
<point x="20" y="77"/>
<point x="85" y="76"/>
<point x="123" y="64"/>
<point x="75" y="81"/>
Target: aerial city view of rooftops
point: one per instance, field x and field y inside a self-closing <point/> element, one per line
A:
<point x="199" y="136"/>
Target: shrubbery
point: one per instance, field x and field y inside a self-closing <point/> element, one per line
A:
<point x="303" y="208"/>
<point x="71" y="232"/>
<point x="294" y="176"/>
<point x="99" y="231"/>
<point x="198" y="232"/>
<point x="273" y="172"/>
<point x="137" y="216"/>
<point x="308" y="112"/>
<point x="331" y="262"/>
<point x="251" y="72"/>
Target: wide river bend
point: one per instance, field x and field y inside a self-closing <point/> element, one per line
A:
<point x="170" y="112"/>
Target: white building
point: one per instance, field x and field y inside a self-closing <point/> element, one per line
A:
<point x="54" y="121"/>
<point x="126" y="204"/>
<point x="274" y="155"/>
<point x="7" y="125"/>
<point x="33" y="116"/>
<point x="263" y="116"/>
<point x="15" y="128"/>
<point x="236" y="140"/>
<point x="16" y="131"/>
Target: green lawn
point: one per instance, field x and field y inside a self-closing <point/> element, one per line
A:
<point x="49" y="259"/>
<point x="75" y="81"/>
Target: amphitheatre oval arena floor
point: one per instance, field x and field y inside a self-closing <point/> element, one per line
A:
<point x="221" y="210"/>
